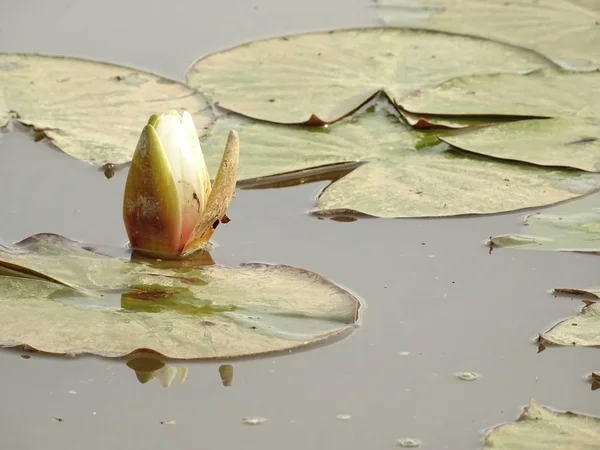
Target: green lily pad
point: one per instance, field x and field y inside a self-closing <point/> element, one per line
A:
<point x="581" y="330"/>
<point x="90" y="110"/>
<point x="566" y="31"/>
<point x="115" y="307"/>
<point x="540" y="428"/>
<point x="571" y="226"/>
<point x="405" y="173"/>
<point x="561" y="142"/>
<point x="544" y="93"/>
<point x="319" y="78"/>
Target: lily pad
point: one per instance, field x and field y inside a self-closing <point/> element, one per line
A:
<point x="90" y="110"/>
<point x="571" y="226"/>
<point x="405" y="173"/>
<point x="581" y="330"/>
<point x="561" y="142"/>
<point x="540" y="428"/>
<point x="117" y="306"/>
<point x="424" y="121"/>
<point x="544" y="93"/>
<point x="566" y="31"/>
<point x="319" y="78"/>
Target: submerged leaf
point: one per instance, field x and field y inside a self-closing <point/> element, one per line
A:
<point x="572" y="226"/>
<point x="565" y="30"/>
<point x="90" y="110"/>
<point x="179" y="311"/>
<point x="539" y="428"/>
<point x="405" y="174"/>
<point x="321" y="77"/>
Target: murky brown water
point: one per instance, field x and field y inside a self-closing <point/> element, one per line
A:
<point x="430" y="286"/>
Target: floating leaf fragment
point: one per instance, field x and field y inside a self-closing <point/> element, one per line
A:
<point x="467" y="376"/>
<point x="539" y="428"/>
<point x="408" y="442"/>
<point x="254" y="420"/>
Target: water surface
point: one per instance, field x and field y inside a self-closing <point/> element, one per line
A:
<point x="430" y="286"/>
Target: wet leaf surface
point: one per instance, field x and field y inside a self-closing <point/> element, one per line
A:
<point x="406" y="174"/>
<point x="90" y="110"/>
<point x="543" y="93"/>
<point x="561" y="142"/>
<point x="539" y="428"/>
<point x="565" y="30"/>
<point x="321" y="77"/>
<point x="116" y="307"/>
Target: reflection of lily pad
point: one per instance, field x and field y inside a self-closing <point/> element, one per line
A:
<point x="406" y="175"/>
<point x="213" y="311"/>
<point x="572" y="226"/>
<point x="565" y="30"/>
<point x="539" y="428"/>
<point x="564" y="142"/>
<point x="90" y="110"/>
<point x="290" y="79"/>
<point x="581" y="330"/>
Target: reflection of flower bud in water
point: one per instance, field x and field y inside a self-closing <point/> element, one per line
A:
<point x="146" y="369"/>
<point x="226" y="372"/>
<point x="170" y="209"/>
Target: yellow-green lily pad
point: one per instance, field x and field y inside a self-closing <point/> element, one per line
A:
<point x="580" y="330"/>
<point x="566" y="31"/>
<point x="405" y="173"/>
<point x="544" y="93"/>
<point x="540" y="428"/>
<point x="559" y="142"/>
<point x="90" y="110"/>
<point x="321" y="77"/>
<point x="114" y="307"/>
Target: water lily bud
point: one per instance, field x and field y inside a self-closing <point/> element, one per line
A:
<point x="169" y="206"/>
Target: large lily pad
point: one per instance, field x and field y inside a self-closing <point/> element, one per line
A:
<point x="90" y="110"/>
<point x="405" y="175"/>
<point x="544" y="93"/>
<point x="561" y="142"/>
<point x="321" y="77"/>
<point x="114" y="306"/>
<point x="565" y="30"/>
<point x="572" y="226"/>
<point x="539" y="428"/>
<point x="570" y="139"/>
<point x="580" y="330"/>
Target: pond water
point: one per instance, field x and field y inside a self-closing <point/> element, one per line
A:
<point x="436" y="302"/>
